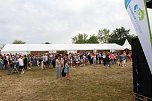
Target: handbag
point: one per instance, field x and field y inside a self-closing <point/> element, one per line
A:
<point x="65" y="69"/>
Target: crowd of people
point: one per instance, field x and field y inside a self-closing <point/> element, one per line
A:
<point x="61" y="61"/>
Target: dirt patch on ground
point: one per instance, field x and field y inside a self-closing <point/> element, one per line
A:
<point x="87" y="83"/>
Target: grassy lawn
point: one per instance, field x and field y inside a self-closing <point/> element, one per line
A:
<point x="87" y="83"/>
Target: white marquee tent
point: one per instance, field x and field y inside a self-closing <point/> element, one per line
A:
<point x="38" y="47"/>
<point x="13" y="48"/>
<point x="126" y="45"/>
<point x="27" y="48"/>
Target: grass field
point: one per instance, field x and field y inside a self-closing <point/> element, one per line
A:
<point x="87" y="83"/>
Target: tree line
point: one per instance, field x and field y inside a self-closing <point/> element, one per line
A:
<point x="22" y="42"/>
<point x="119" y="35"/>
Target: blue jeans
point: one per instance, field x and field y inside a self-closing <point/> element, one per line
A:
<point x="58" y="72"/>
<point x="112" y="62"/>
<point x="1" y="65"/>
<point x="94" y="61"/>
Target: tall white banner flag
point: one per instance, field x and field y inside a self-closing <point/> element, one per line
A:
<point x="137" y="11"/>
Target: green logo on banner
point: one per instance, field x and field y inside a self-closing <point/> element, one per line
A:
<point x="139" y="12"/>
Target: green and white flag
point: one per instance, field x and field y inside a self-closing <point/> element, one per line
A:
<point x="137" y="11"/>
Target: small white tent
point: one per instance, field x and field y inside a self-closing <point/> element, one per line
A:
<point x="126" y="45"/>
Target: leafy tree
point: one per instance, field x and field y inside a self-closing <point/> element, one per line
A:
<point x="93" y="39"/>
<point x="80" y="38"/>
<point x="103" y="35"/>
<point x="18" y="42"/>
<point x="119" y="35"/>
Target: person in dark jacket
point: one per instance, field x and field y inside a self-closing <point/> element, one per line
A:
<point x="25" y="62"/>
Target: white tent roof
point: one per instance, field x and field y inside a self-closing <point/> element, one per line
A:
<point x="126" y="45"/>
<point x="91" y="47"/>
<point x="98" y="46"/>
<point x="82" y="47"/>
<point x="39" y="47"/>
<point x="61" y="47"/>
<point x="113" y="46"/>
<point x="12" y="48"/>
<point x="15" y="48"/>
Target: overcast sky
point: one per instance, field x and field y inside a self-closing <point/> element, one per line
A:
<point x="57" y="21"/>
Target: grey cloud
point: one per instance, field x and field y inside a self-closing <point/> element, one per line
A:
<point x="57" y="21"/>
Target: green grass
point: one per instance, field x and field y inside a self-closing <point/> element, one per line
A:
<point x="87" y="83"/>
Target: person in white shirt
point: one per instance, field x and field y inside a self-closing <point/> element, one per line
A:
<point x="104" y="58"/>
<point x="94" y="59"/>
<point x="45" y="60"/>
<point x="21" y="64"/>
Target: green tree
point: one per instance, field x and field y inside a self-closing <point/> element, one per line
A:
<point x="18" y="42"/>
<point x="93" y="39"/>
<point x="47" y="43"/>
<point x="119" y="35"/>
<point x="80" y="38"/>
<point x="103" y="35"/>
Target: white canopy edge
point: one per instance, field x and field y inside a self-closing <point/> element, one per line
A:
<point x="9" y="48"/>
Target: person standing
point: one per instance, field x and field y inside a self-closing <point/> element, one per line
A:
<point x="53" y="61"/>
<point x="100" y="58"/>
<point x="129" y="57"/>
<point x="5" y="63"/>
<point x="62" y="66"/>
<point x="104" y="58"/>
<point x="58" y="68"/>
<point x="9" y="66"/>
<point x="89" y="58"/>
<point x="21" y="64"/>
<point x="45" y="60"/>
<point x="124" y="59"/>
<point x="107" y="59"/>
<point x="112" y="57"/>
<point x="94" y="59"/>
<point x="25" y="62"/>
<point x="66" y="70"/>
<point x="1" y="62"/>
<point x="120" y="59"/>
<point x="62" y="62"/>
<point x="42" y="62"/>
